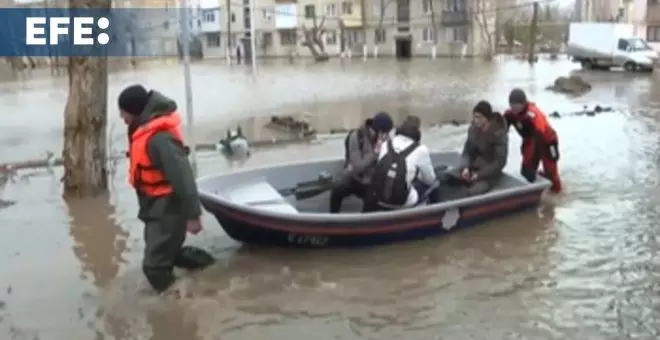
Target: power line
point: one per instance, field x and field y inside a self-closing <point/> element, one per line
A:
<point x="270" y="10"/>
<point x="413" y="22"/>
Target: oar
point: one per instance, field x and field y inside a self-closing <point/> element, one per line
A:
<point x="305" y="190"/>
<point x="302" y="193"/>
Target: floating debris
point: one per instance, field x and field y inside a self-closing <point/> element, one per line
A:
<point x="573" y="85"/>
<point x="584" y="112"/>
<point x="234" y="146"/>
<point x="292" y="125"/>
<point x="8" y="174"/>
<point x="6" y="203"/>
<point x="339" y="130"/>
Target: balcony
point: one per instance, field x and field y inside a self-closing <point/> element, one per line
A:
<point x="454" y="18"/>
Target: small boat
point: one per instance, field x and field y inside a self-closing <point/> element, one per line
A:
<point x="287" y="205"/>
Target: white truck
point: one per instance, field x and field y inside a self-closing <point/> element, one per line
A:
<point x="604" y="45"/>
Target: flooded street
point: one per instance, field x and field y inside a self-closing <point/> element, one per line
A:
<point x="585" y="266"/>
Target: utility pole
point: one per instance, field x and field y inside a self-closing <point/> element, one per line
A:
<point x="184" y="21"/>
<point x="365" y="52"/>
<point x="229" y="50"/>
<point x="253" y="36"/>
<point x="533" y="27"/>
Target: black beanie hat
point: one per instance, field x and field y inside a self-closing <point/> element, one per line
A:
<point x="517" y="96"/>
<point x="484" y="108"/>
<point x="382" y="122"/>
<point x="133" y="99"/>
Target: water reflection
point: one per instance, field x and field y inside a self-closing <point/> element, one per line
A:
<point x="171" y="321"/>
<point x="384" y="292"/>
<point x="99" y="242"/>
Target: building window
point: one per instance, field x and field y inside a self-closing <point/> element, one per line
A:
<point x="456" y="34"/>
<point x="347" y="8"/>
<point x="233" y="17"/>
<point x="209" y="16"/>
<point x="331" y="38"/>
<point x="653" y="33"/>
<point x="354" y="37"/>
<point x="213" y="40"/>
<point x="331" y="10"/>
<point x="427" y="34"/>
<point x="288" y="37"/>
<point x="454" y="5"/>
<point x="309" y="12"/>
<point x="266" y="40"/>
<point x="426" y="6"/>
<point x="379" y="36"/>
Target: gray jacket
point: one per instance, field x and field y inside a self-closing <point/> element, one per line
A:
<point x="486" y="152"/>
<point x="362" y="160"/>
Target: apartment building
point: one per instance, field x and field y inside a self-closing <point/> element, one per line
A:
<point x="225" y="28"/>
<point x="405" y="28"/>
<point x="336" y="16"/>
<point x="598" y="10"/>
<point x="387" y="27"/>
<point x="651" y="15"/>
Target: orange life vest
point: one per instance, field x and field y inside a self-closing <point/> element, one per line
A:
<point x="540" y="122"/>
<point x="533" y="122"/>
<point x="142" y="175"/>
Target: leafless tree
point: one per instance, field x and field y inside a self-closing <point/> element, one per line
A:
<point x="484" y="16"/>
<point x="433" y="22"/>
<point x="229" y="15"/>
<point x="85" y="121"/>
<point x="382" y="9"/>
<point x="313" y="39"/>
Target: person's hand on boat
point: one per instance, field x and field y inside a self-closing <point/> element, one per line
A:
<point x="466" y="175"/>
<point x="194" y="226"/>
<point x="379" y="144"/>
<point x="348" y="168"/>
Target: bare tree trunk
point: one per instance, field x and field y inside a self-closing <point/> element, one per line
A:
<point x="381" y="15"/>
<point x="229" y="50"/>
<point x="435" y="27"/>
<point x="363" y="5"/>
<point x="314" y="39"/>
<point x="342" y="36"/>
<point x="481" y="17"/>
<point x="85" y="121"/>
<point x="383" y="4"/>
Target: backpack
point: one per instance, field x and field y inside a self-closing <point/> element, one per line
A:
<point x="360" y="137"/>
<point x="389" y="183"/>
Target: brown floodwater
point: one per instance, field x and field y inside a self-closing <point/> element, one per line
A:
<point x="584" y="266"/>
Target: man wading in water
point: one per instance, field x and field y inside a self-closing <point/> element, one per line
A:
<point x="163" y="180"/>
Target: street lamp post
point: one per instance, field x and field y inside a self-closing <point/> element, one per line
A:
<point x="185" y="50"/>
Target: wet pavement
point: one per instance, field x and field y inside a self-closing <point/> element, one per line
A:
<point x="585" y="266"/>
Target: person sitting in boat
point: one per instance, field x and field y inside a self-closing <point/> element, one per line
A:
<point x="404" y="174"/>
<point x="485" y="151"/>
<point x="362" y="147"/>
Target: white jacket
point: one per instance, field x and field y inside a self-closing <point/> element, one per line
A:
<point x="418" y="165"/>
